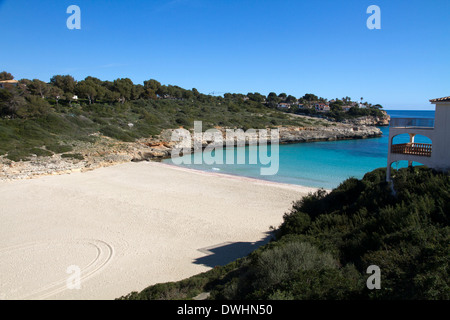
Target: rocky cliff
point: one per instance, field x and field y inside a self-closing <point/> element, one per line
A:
<point x="369" y="120"/>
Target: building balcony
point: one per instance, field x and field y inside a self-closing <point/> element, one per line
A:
<point x="417" y="149"/>
<point x="417" y="123"/>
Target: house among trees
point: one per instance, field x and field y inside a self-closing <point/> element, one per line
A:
<point x="284" y="105"/>
<point x="346" y="108"/>
<point x="8" y="83"/>
<point x="321" y="107"/>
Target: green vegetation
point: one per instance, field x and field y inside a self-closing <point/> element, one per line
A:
<point x="39" y="115"/>
<point x="327" y="241"/>
<point x="76" y="156"/>
<point x="45" y="118"/>
<point x="337" y="111"/>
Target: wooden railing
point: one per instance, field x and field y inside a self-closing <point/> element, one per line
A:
<point x="417" y="149"/>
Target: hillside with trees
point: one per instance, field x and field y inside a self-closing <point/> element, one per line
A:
<point x="328" y="240"/>
<point x="41" y="118"/>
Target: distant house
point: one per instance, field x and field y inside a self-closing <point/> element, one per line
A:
<point x="346" y="108"/>
<point x="300" y="106"/>
<point x="321" y="107"/>
<point x="284" y="105"/>
<point x="5" y="83"/>
<point x="75" y="97"/>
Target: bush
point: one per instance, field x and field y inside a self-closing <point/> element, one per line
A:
<point x="58" y="148"/>
<point x="117" y="133"/>
<point x="327" y="241"/>
<point x="35" y="107"/>
<point x="278" y="264"/>
<point x="76" y="156"/>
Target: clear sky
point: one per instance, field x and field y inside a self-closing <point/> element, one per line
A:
<point x="322" y="46"/>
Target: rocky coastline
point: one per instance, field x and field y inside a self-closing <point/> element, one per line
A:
<point x="107" y="151"/>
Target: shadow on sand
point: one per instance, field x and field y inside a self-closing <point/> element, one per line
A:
<point x="226" y="252"/>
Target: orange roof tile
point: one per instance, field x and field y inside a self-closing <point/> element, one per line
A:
<point x="440" y="99"/>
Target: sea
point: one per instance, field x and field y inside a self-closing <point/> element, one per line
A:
<point x="318" y="164"/>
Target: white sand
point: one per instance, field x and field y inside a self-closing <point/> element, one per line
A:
<point x="129" y="226"/>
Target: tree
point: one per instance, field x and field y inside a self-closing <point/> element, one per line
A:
<point x="137" y="91"/>
<point x="124" y="87"/>
<point x="94" y="80"/>
<point x="6" y="76"/>
<point x="291" y="99"/>
<point x="337" y="105"/>
<point x="86" y="89"/>
<point x="282" y="96"/>
<point x="10" y="102"/>
<point x="149" y="94"/>
<point x="34" y="107"/>
<point x="310" y="97"/>
<point x="272" y="96"/>
<point x="273" y="100"/>
<point x="195" y="92"/>
<point x="346" y="100"/>
<point x="162" y="91"/>
<point x="228" y="96"/>
<point x="66" y="83"/>
<point x="152" y="84"/>
<point x="257" y="97"/>
<point x="69" y="97"/>
<point x="188" y="95"/>
<point x="111" y="96"/>
<point x="56" y="93"/>
<point x="38" y="87"/>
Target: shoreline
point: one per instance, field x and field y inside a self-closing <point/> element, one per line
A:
<point x="242" y="178"/>
<point x="107" y="151"/>
<point x="129" y="226"/>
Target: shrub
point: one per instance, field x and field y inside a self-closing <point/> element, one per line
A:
<point x="117" y="133"/>
<point x="58" y="148"/>
<point x="76" y="156"/>
<point x="278" y="264"/>
<point x="34" y="107"/>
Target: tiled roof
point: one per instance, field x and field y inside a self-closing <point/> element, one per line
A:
<point x="8" y="81"/>
<point x="440" y="99"/>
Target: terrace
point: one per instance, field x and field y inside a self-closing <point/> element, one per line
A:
<point x="419" y="123"/>
<point x="434" y="155"/>
<point x="417" y="149"/>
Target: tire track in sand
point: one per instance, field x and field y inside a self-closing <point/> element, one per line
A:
<point x="104" y="255"/>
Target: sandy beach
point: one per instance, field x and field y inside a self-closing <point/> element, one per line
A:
<point x="129" y="226"/>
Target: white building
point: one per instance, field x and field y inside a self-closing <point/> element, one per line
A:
<point x="434" y="155"/>
<point x="11" y="83"/>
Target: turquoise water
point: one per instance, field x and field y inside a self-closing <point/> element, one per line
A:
<point x="321" y="164"/>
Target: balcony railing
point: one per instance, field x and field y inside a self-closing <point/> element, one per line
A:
<point x="417" y="149"/>
<point x="411" y="123"/>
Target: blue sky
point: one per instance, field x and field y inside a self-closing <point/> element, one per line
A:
<point x="321" y="47"/>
